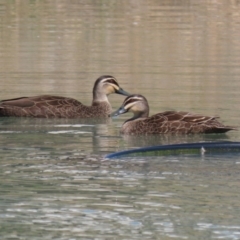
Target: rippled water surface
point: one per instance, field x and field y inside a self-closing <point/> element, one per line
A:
<point x="54" y="180"/>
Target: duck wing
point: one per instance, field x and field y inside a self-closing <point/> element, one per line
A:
<point x="44" y="106"/>
<point x="184" y="122"/>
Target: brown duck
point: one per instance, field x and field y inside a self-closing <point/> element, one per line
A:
<point x="47" y="106"/>
<point x="165" y="122"/>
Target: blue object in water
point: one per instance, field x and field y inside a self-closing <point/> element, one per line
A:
<point x="201" y="147"/>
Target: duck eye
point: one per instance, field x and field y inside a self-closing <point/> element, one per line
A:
<point x="131" y="100"/>
<point x="112" y="81"/>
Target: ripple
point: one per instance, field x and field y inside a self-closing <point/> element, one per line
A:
<point x="68" y="132"/>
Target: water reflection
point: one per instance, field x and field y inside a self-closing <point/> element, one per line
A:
<point x="54" y="137"/>
<point x="153" y="140"/>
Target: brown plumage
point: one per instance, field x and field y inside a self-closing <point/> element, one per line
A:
<point x="47" y="106"/>
<point x="165" y="122"/>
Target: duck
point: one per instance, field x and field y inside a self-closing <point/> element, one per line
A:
<point x="172" y="122"/>
<point x="48" y="106"/>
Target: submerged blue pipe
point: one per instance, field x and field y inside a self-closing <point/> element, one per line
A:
<point x="182" y="146"/>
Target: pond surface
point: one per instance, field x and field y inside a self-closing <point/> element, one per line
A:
<point x="55" y="182"/>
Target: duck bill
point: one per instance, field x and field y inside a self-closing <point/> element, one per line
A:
<point x="120" y="111"/>
<point x="122" y="92"/>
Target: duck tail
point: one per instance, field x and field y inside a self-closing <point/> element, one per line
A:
<point x="225" y="129"/>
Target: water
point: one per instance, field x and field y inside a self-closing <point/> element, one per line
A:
<point x="55" y="182"/>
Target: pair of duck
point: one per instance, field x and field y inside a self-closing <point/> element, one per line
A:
<point x="46" y="106"/>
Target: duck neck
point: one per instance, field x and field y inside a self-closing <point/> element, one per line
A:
<point x="137" y="115"/>
<point x="99" y="96"/>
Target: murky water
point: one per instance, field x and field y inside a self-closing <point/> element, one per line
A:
<point x="55" y="182"/>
